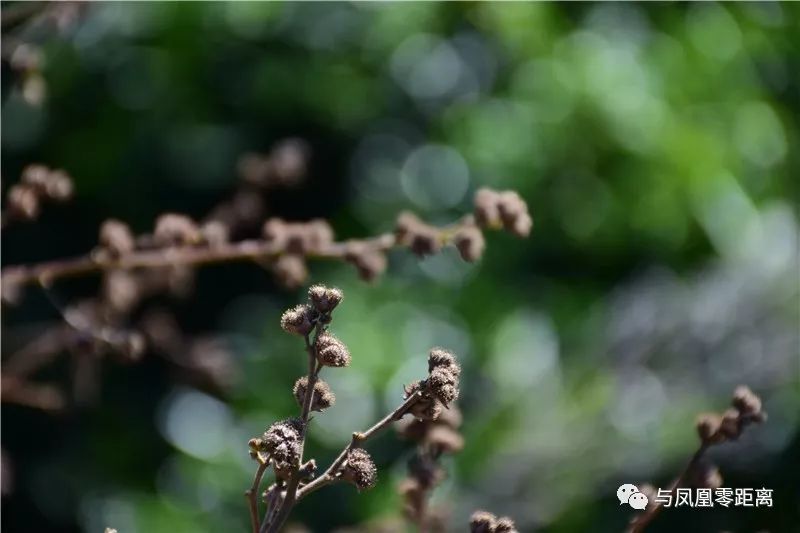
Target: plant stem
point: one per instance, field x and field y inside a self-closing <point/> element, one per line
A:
<point x="329" y="475"/>
<point x="252" y="495"/>
<point x="640" y="522"/>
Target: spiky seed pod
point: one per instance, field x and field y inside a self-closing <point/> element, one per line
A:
<point x="708" y="428"/>
<point x="505" y="525"/>
<point x="443" y="383"/>
<point x="23" y="201"/>
<point x="116" y="237"/>
<point x="290" y="270"/>
<point x="487" y="212"/>
<point x="439" y="357"/>
<point x="470" y="243"/>
<point x="282" y="440"/>
<point x="331" y="351"/>
<point x="482" y="522"/>
<point x="298" y="320"/>
<point x="324" y="299"/>
<point x="359" y="469"/>
<point x="323" y="396"/>
<point x="746" y="401"/>
<point x="175" y="230"/>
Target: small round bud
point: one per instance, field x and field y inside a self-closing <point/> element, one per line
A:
<point x="214" y="233"/>
<point x="514" y="213"/>
<point x="282" y="440"/>
<point x="331" y="351"/>
<point x="470" y="243"/>
<point x="275" y="232"/>
<point x="369" y="262"/>
<point x="482" y="522"/>
<point x="359" y="469"/>
<point x="289" y="160"/>
<point x="318" y="235"/>
<point x="324" y="299"/>
<point x="505" y="525"/>
<point x="406" y="225"/>
<point x="439" y="357"/>
<point x="116" y="237"/>
<point x="59" y="187"/>
<point x="708" y="428"/>
<point x="746" y="401"/>
<point x="705" y="475"/>
<point x="23" y="201"/>
<point x="323" y="396"/>
<point x="298" y="320"/>
<point x="121" y="291"/>
<point x="487" y="213"/>
<point x="425" y="241"/>
<point x="731" y="426"/>
<point x="290" y="271"/>
<point x="175" y="230"/>
<point x="443" y="383"/>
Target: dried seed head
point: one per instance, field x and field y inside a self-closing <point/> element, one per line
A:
<point x="708" y="428"/>
<point x="482" y="522"/>
<point x="331" y="351"/>
<point x="318" y="235"/>
<point x="288" y="160"/>
<point x="444" y="439"/>
<point x="175" y="230"/>
<point x="324" y="299"/>
<point x="369" y="262"/>
<point x="470" y="243"/>
<point x="443" y="383"/>
<point x="746" y="401"/>
<point x="23" y="201"/>
<point x="731" y="426"/>
<point x="298" y="320"/>
<point x="323" y="396"/>
<point x="215" y="233"/>
<point x="275" y="232"/>
<point x="116" y="237"/>
<point x="505" y="525"/>
<point x="359" y="469"/>
<point x="58" y="187"/>
<point x="290" y="270"/>
<point x="439" y="357"/>
<point x="487" y="212"/>
<point x="282" y="440"/>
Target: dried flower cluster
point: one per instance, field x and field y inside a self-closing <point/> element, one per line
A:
<point x="713" y="429"/>
<point x="281" y="446"/>
<point x="486" y="522"/>
<point x="38" y="185"/>
<point x="433" y="438"/>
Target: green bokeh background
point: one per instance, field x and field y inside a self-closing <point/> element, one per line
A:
<point x="657" y="148"/>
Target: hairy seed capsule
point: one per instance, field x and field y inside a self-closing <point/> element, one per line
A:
<point x="505" y="525"/>
<point x="331" y="351"/>
<point x="323" y="396"/>
<point x="324" y="299"/>
<point x="360" y="470"/>
<point x="298" y="320"/>
<point x="282" y="440"/>
<point x="708" y="426"/>
<point x="482" y="522"/>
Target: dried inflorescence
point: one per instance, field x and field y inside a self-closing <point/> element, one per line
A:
<point x="281" y="441"/>
<point x="486" y="522"/>
<point x="369" y="261"/>
<point x="506" y="209"/>
<point x="323" y="396"/>
<point x="38" y="184"/>
<point x="359" y="469"/>
<point x="440" y="388"/>
<point x="324" y="299"/>
<point x="298" y="320"/>
<point x="331" y="351"/>
<point x="716" y="428"/>
<point x="420" y="237"/>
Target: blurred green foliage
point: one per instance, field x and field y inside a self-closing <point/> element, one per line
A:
<point x="655" y="144"/>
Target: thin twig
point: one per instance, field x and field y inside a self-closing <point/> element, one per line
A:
<point x="252" y="493"/>
<point x="358" y="438"/>
<point x="640" y="522"/>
